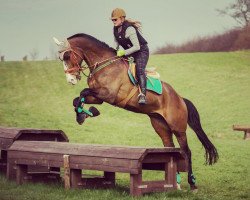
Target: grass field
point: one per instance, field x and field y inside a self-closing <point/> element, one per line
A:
<point x="36" y="95"/>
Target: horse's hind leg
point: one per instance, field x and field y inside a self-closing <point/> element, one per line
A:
<point x="166" y="135"/>
<point x="162" y="129"/>
<point x="182" y="140"/>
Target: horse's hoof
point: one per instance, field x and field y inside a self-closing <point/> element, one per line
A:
<point x="195" y="191"/>
<point x="178" y="186"/>
<point x="94" y="111"/>
<point x="194" y="188"/>
<point x="80" y="118"/>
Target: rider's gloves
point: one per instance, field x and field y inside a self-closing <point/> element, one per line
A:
<point x="120" y="53"/>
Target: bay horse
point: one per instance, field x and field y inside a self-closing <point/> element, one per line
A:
<point x="108" y="81"/>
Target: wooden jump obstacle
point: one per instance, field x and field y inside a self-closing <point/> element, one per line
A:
<point x="9" y="135"/>
<point x="245" y="128"/>
<point x="110" y="159"/>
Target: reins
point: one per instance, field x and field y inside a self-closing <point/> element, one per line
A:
<point x="96" y="67"/>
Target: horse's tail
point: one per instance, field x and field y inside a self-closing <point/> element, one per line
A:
<point x="194" y="122"/>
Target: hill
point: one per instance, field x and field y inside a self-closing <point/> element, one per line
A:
<point x="35" y="94"/>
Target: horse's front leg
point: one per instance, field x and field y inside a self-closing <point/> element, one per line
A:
<point x="86" y="97"/>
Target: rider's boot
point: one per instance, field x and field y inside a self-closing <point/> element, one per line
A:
<point x="142" y="96"/>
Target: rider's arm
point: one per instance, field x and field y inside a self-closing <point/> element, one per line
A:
<point x="131" y="34"/>
<point x="116" y="44"/>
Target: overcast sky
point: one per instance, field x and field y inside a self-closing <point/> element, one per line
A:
<point x="29" y="24"/>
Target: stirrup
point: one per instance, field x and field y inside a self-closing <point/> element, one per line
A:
<point x="142" y="99"/>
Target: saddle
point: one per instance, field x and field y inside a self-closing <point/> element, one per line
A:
<point x="153" y="82"/>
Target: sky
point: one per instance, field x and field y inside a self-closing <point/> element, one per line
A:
<point x="26" y="25"/>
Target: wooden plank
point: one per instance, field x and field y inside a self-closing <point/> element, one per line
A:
<point x="107" y="161"/>
<point x="241" y="127"/>
<point x="5" y="143"/>
<point x="66" y="172"/>
<point x="56" y="160"/>
<point x="42" y="135"/>
<point x="8" y="132"/>
<point x="155" y="186"/>
<point x="105" y="168"/>
<point x="30" y="158"/>
<point x="157" y="158"/>
<point x="46" y="163"/>
<point x="35" y="155"/>
<point x="77" y="149"/>
<point x="83" y="149"/>
<point x="53" y="163"/>
<point x="31" y="134"/>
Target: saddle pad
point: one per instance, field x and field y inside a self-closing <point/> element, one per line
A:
<point x="153" y="84"/>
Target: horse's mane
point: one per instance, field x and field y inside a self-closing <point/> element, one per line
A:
<point x="98" y="42"/>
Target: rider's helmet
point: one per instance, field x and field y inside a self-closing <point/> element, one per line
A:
<point x="117" y="13"/>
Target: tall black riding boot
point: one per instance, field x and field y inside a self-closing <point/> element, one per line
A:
<point x="142" y="95"/>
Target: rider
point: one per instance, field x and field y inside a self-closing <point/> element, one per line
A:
<point x="127" y="33"/>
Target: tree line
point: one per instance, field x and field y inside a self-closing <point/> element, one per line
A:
<point x="34" y="54"/>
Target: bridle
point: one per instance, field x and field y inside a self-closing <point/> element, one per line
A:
<point x="78" y="68"/>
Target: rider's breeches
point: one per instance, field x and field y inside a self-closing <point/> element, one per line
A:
<point x="141" y="60"/>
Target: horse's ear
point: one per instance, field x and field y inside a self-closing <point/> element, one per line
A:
<point x="57" y="41"/>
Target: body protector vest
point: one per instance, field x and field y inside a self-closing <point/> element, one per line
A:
<point x="125" y="42"/>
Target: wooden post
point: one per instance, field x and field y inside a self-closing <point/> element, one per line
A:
<point x="66" y="171"/>
<point x="21" y="172"/>
<point x="76" y="178"/>
<point x="247" y="135"/>
<point x="135" y="184"/>
<point x="170" y="173"/>
<point x="109" y="178"/>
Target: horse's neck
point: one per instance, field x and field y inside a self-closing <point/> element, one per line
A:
<point x="92" y="52"/>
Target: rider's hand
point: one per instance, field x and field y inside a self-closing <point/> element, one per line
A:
<point x="120" y="53"/>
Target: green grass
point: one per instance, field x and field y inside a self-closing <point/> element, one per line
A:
<point x="36" y="95"/>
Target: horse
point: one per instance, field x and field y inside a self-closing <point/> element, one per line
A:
<point x="108" y="82"/>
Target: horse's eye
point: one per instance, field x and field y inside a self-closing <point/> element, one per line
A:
<point x="66" y="56"/>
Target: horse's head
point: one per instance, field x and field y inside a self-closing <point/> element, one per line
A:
<point x="82" y="47"/>
<point x="72" y="59"/>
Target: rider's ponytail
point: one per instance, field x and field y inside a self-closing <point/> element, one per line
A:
<point x="135" y="23"/>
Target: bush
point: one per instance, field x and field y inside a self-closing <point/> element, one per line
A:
<point x="235" y="39"/>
